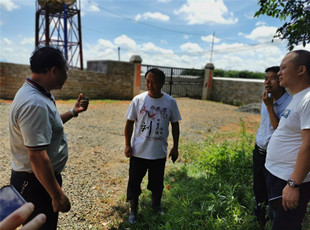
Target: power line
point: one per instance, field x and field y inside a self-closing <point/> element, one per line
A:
<point x="151" y="25"/>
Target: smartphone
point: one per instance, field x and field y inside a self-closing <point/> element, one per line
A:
<point x="174" y="158"/>
<point x="276" y="203"/>
<point x="10" y="200"/>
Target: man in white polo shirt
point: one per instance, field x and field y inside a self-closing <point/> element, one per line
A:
<point x="288" y="152"/>
<point x="38" y="142"/>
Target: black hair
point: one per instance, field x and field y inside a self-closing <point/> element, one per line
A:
<point x="275" y="69"/>
<point x="302" y="57"/>
<point x="157" y="73"/>
<point x="44" y="58"/>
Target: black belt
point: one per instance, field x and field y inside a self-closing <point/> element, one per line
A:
<point x="22" y="173"/>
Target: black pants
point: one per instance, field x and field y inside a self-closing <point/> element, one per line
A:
<point x="259" y="177"/>
<point x="31" y="189"/>
<point x="137" y="170"/>
<point x="291" y="219"/>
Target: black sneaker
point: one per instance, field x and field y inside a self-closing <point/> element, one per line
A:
<point x="132" y="218"/>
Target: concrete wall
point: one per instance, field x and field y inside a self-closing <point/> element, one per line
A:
<point x="236" y="91"/>
<point x="114" y="82"/>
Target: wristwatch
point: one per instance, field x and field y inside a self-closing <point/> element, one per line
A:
<point x="292" y="183"/>
<point x="74" y="114"/>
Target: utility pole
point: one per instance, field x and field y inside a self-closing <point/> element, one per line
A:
<point x="212" y="47"/>
<point x="119" y="53"/>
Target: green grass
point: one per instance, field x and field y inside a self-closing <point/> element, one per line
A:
<point x="210" y="188"/>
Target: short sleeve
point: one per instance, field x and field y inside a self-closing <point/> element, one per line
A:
<point x="305" y="115"/>
<point x="175" y="113"/>
<point x="35" y="127"/>
<point x="132" y="111"/>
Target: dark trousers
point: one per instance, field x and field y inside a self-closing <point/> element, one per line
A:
<point x="291" y="219"/>
<point x="137" y="170"/>
<point x="31" y="189"/>
<point x="259" y="176"/>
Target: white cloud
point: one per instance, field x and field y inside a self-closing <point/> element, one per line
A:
<point x="6" y="41"/>
<point x="262" y="33"/>
<point x="191" y="47"/>
<point x="126" y="42"/>
<point x="89" y="6"/>
<point x="155" y="16"/>
<point x="300" y="47"/>
<point x="150" y="47"/>
<point x="209" y="38"/>
<point x="27" y="41"/>
<point x="206" y="11"/>
<point x="164" y="1"/>
<point x="260" y="23"/>
<point x="8" y="5"/>
<point x="239" y="56"/>
<point x="106" y="44"/>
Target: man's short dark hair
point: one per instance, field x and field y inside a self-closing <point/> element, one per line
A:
<point x="44" y="58"/>
<point x="158" y="73"/>
<point x="302" y="57"/>
<point x="274" y="69"/>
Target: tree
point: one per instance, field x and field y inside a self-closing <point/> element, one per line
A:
<point x="297" y="13"/>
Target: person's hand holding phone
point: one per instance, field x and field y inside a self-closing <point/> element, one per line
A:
<point x="19" y="216"/>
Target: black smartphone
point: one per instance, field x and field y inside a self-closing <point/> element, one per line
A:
<point x="174" y="158"/>
<point x="10" y="200"/>
<point x="276" y="203"/>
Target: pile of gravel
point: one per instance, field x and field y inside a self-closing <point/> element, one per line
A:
<point x="250" y="108"/>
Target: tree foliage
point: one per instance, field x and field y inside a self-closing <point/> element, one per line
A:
<point x="226" y="73"/>
<point x="295" y="13"/>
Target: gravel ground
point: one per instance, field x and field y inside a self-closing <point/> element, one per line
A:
<point x="96" y="173"/>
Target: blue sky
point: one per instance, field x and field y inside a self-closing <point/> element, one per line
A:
<point x="163" y="32"/>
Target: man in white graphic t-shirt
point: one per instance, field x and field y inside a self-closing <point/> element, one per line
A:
<point x="288" y="152"/>
<point x="148" y="118"/>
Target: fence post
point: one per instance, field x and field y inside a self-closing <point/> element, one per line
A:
<point x="136" y="60"/>
<point x="207" y="83"/>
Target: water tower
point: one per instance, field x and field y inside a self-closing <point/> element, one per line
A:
<point x="58" y="24"/>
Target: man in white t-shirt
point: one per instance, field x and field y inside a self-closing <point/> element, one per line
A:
<point x="148" y="118"/>
<point x="288" y="152"/>
<point x="275" y="100"/>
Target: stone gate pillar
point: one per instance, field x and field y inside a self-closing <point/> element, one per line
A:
<point x="207" y="83"/>
<point x="137" y="60"/>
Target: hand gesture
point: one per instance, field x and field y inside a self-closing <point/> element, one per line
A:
<point x="81" y="104"/>
<point x="267" y="100"/>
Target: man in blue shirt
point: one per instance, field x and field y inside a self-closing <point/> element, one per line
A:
<point x="275" y="100"/>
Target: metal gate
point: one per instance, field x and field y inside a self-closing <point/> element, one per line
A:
<point x="179" y="81"/>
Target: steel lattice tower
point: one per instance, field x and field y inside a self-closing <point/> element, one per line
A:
<point x="58" y="24"/>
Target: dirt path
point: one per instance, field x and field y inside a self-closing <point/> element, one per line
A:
<point x="96" y="174"/>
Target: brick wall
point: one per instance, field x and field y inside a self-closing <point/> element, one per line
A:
<point x="115" y="82"/>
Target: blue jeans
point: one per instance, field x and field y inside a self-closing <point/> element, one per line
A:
<point x="31" y="189"/>
<point x="291" y="219"/>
